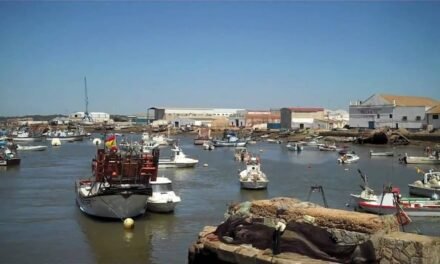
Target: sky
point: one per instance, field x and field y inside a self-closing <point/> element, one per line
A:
<point x="225" y="54"/>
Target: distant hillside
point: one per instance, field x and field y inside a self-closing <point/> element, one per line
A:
<point x="34" y="117"/>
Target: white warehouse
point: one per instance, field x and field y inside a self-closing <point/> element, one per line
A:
<point x="97" y="117"/>
<point x="394" y="111"/>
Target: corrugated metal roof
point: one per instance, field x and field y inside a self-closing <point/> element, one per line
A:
<point x="434" y="110"/>
<point x="409" y="100"/>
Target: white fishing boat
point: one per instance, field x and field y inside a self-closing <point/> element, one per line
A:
<point x="241" y="154"/>
<point x="391" y="202"/>
<point x="271" y="140"/>
<point x="429" y="186"/>
<point x="163" y="198"/>
<point x="25" y="136"/>
<point x="252" y="177"/>
<point x="65" y="135"/>
<point x="178" y="159"/>
<point x="203" y="136"/>
<point x="367" y="193"/>
<point x="120" y="184"/>
<point x="34" y="148"/>
<point x="160" y="139"/>
<point x="431" y="159"/>
<point x="381" y="154"/>
<point x="348" y="158"/>
<point x="147" y="143"/>
<point x="294" y="147"/>
<point x="9" y="157"/>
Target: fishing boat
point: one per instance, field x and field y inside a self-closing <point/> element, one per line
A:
<point x="429" y="186"/>
<point x="252" y="177"/>
<point x="34" y="148"/>
<point x="148" y="144"/>
<point x="381" y="154"/>
<point x="120" y="183"/>
<point x="294" y="147"/>
<point x="367" y="194"/>
<point x="9" y="156"/>
<point x="229" y="140"/>
<point x="178" y="159"/>
<point x="241" y="154"/>
<point x="348" y="158"/>
<point x="431" y="159"/>
<point x="26" y="136"/>
<point x="391" y="201"/>
<point x="207" y="145"/>
<point x="65" y="135"/>
<point x="163" y="198"/>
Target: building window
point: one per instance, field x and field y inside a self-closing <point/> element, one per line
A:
<point x="434" y="116"/>
<point x="404" y="118"/>
<point x="391" y="115"/>
<point x="378" y="116"/>
<point x="418" y="118"/>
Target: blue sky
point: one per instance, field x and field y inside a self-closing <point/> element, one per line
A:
<point x="254" y="55"/>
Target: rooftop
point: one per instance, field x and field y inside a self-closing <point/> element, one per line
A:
<point x="400" y="100"/>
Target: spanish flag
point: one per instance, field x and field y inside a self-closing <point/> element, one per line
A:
<point x="110" y="142"/>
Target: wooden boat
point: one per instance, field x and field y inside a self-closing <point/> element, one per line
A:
<point x="390" y="202"/>
<point x="120" y="184"/>
<point x="429" y="186"/>
<point x="383" y="154"/>
<point x="252" y="177"/>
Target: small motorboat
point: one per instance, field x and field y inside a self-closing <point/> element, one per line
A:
<point x="294" y="147"/>
<point x="252" y="177"/>
<point x="325" y="147"/>
<point x="241" y="154"/>
<point x="34" y="148"/>
<point x="163" y="198"/>
<point x="178" y="159"/>
<point x="207" y="145"/>
<point x="9" y="157"/>
<point x="348" y="158"/>
<point x="431" y="159"/>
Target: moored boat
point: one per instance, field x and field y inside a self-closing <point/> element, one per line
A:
<point x="429" y="186"/>
<point x="326" y="147"/>
<point x="390" y="202"/>
<point x="34" y="148"/>
<point x="9" y="156"/>
<point x="163" y="198"/>
<point x="381" y="154"/>
<point x="203" y="135"/>
<point x="120" y="185"/>
<point x="252" y="177"/>
<point x="294" y="147"/>
<point x="431" y="159"/>
<point x="348" y="158"/>
<point x="178" y="159"/>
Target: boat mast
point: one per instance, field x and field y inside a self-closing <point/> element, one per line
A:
<point x="87" y="117"/>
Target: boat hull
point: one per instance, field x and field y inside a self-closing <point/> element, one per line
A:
<point x="416" y="210"/>
<point x="10" y="162"/>
<point x="381" y="154"/>
<point x="166" y="207"/>
<point x="171" y="164"/>
<point x="68" y="138"/>
<point x="421" y="160"/>
<point x="118" y="205"/>
<point x="254" y="185"/>
<point x="229" y="144"/>
<point x="27" y="139"/>
<point x="423" y="191"/>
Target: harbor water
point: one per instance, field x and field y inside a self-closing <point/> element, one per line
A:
<point x="40" y="222"/>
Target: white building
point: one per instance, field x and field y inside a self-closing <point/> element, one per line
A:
<point x="97" y="117"/>
<point x="199" y="115"/>
<point x="432" y="117"/>
<point x="394" y="111"/>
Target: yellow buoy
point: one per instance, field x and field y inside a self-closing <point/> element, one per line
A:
<point x="129" y="223"/>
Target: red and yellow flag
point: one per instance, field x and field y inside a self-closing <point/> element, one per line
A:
<point x="110" y="142"/>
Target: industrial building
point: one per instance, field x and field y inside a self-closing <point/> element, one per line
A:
<point x="432" y="117"/>
<point x="393" y="111"/>
<point x="96" y="117"/>
<point x="303" y="117"/>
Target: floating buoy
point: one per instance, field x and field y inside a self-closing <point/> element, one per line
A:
<point x="346" y="169"/>
<point x="96" y="141"/>
<point x="205" y="165"/>
<point x="128" y="223"/>
<point x="261" y="150"/>
<point x="55" y="142"/>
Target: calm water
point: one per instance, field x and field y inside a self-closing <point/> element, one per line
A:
<point x="40" y="222"/>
